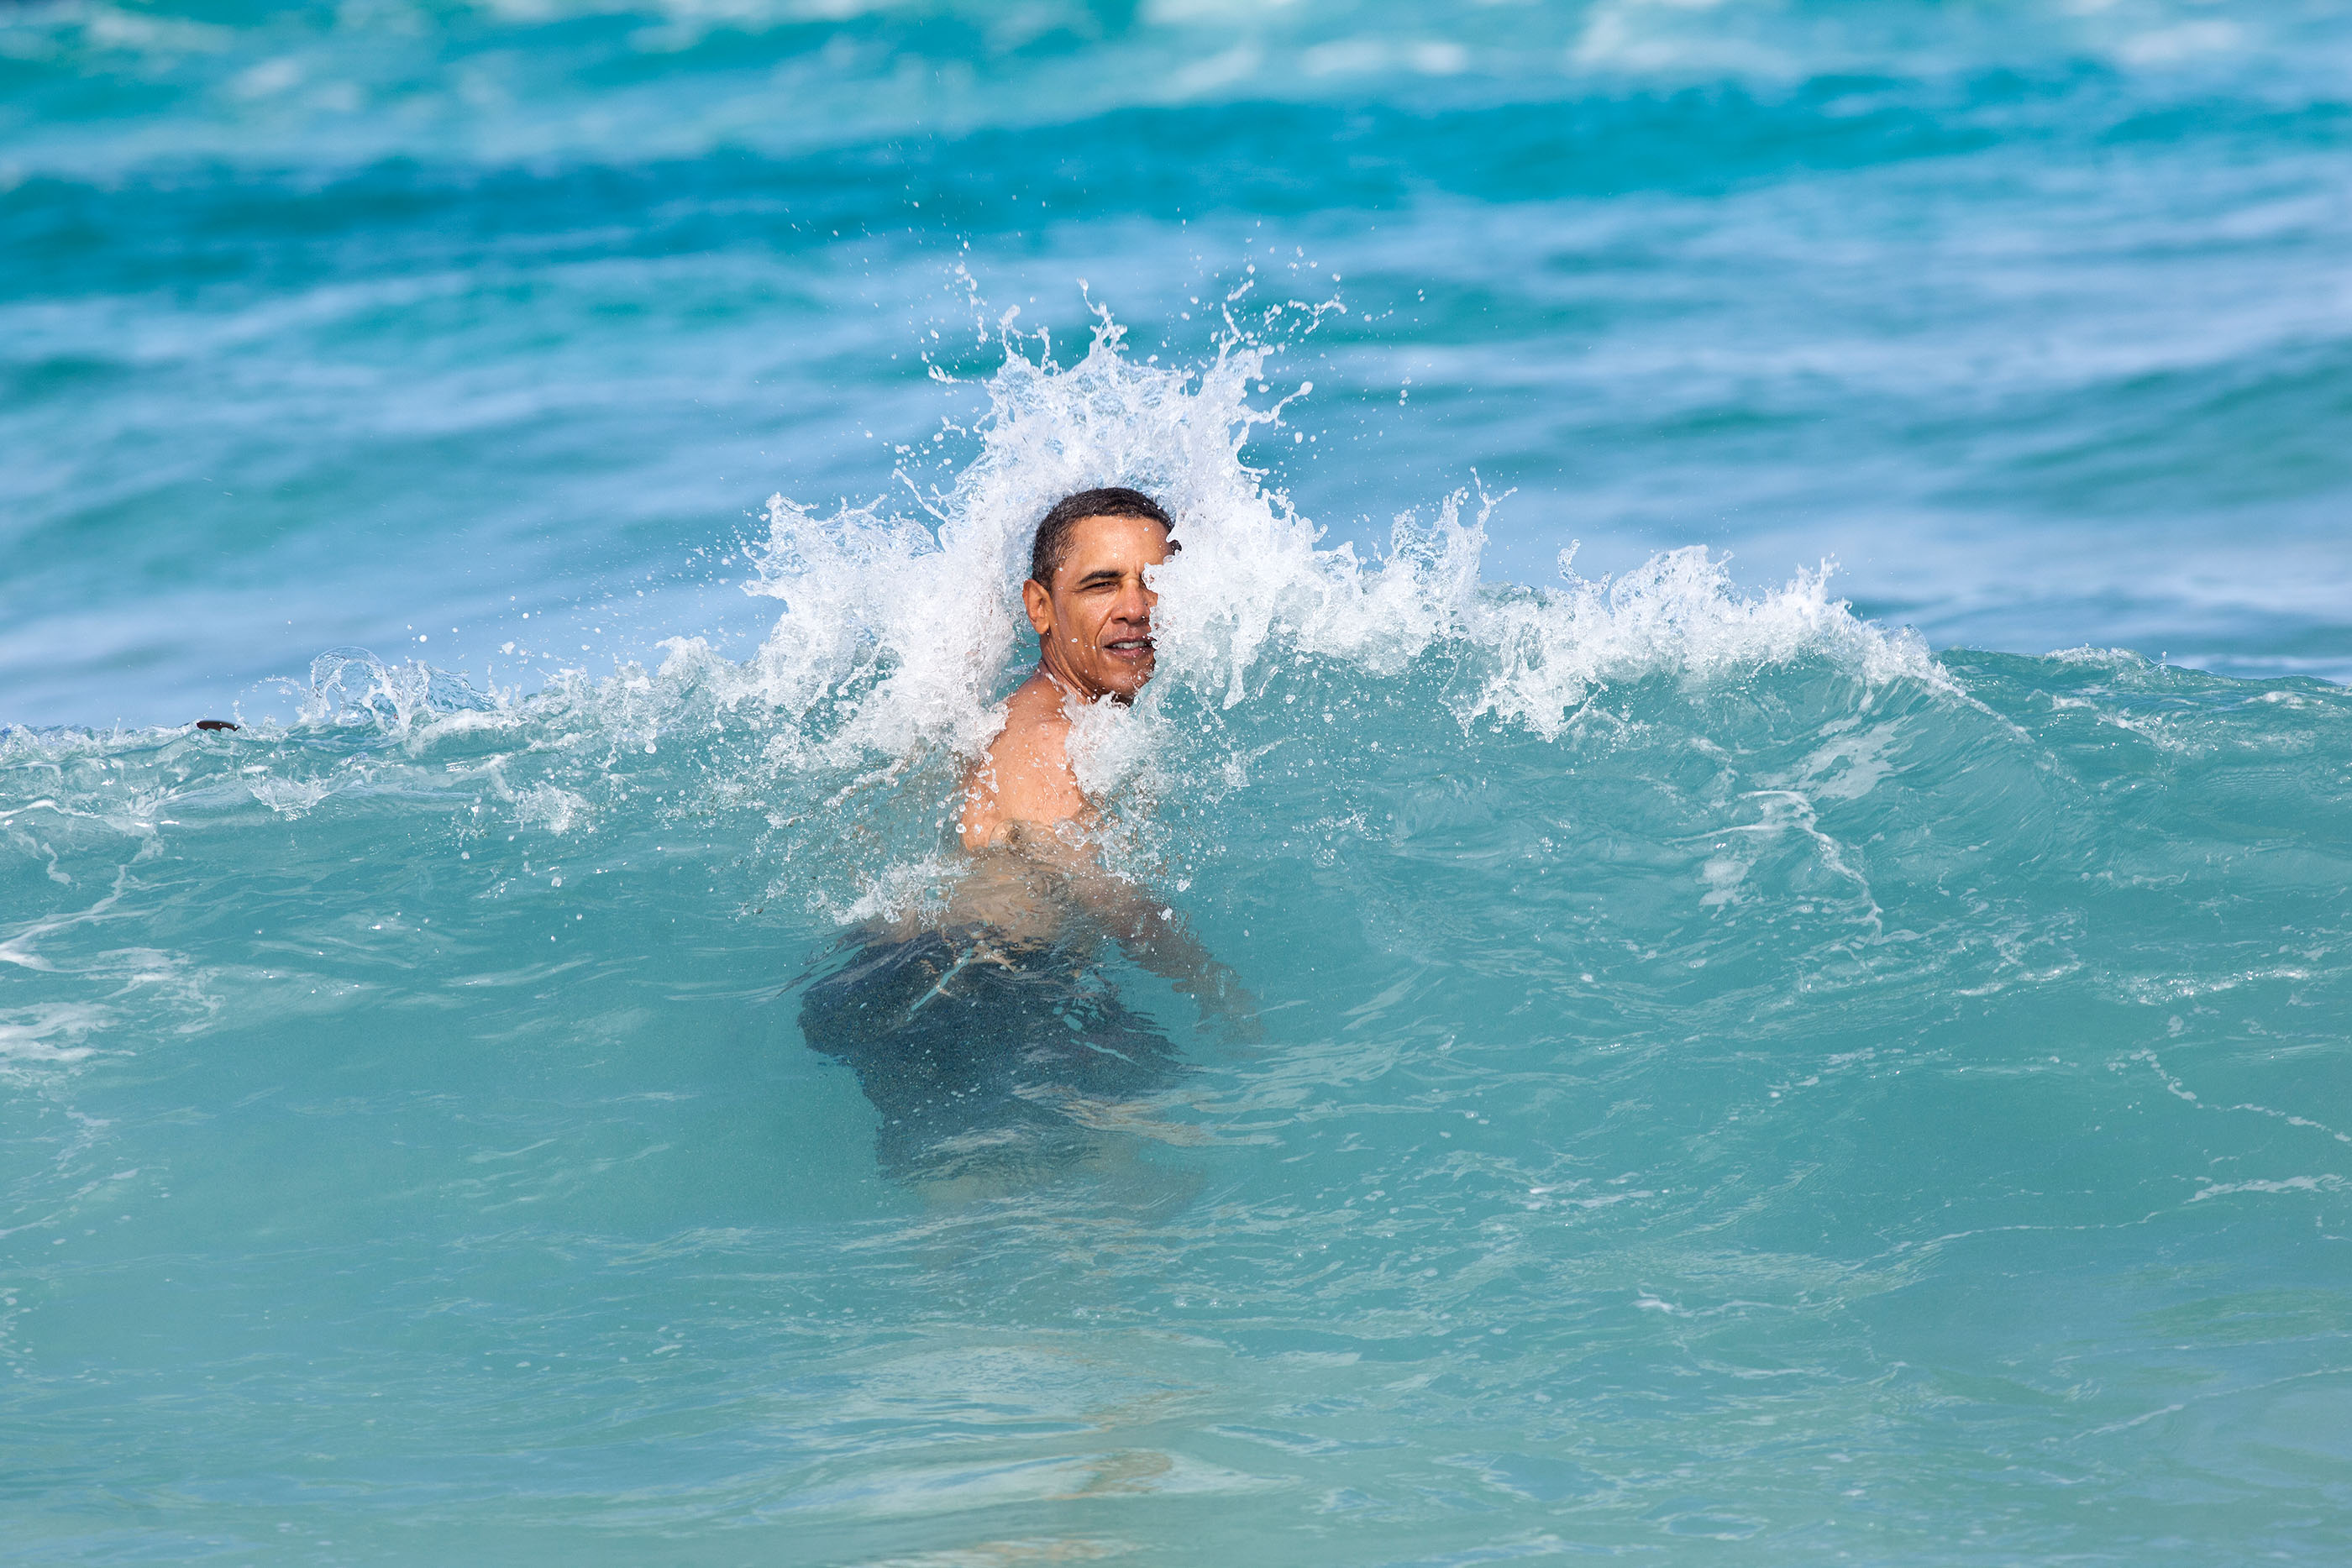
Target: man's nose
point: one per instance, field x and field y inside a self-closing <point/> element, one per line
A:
<point x="1134" y="601"/>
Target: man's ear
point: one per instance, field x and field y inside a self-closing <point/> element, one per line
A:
<point x="1040" y="606"/>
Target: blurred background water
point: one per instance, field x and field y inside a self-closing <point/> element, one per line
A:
<point x="387" y="321"/>
<point x="1742" y="1083"/>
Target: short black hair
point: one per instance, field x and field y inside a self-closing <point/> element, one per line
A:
<point x="1052" y="539"/>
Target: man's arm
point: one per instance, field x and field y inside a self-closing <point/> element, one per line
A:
<point x="1025" y="799"/>
<point x="1147" y="930"/>
<point x="1156" y="937"/>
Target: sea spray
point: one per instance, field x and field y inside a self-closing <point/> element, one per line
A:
<point x="846" y="735"/>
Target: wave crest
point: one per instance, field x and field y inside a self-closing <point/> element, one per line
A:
<point x="896" y="629"/>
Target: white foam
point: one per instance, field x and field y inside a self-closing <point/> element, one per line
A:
<point x="53" y="1032"/>
<point x="899" y="627"/>
<point x="289" y="797"/>
<point x="1679" y="615"/>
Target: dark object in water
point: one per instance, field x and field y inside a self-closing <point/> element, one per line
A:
<point x="213" y="724"/>
<point x="972" y="1048"/>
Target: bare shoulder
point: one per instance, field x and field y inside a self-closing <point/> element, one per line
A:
<point x="1026" y="776"/>
<point x="1034" y="706"/>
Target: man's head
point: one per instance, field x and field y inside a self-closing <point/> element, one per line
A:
<point x="1085" y="594"/>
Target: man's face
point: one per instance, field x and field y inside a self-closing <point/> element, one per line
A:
<point x="1093" y="624"/>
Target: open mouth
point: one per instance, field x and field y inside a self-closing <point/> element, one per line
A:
<point x="1129" y="647"/>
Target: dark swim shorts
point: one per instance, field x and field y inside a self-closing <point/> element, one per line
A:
<point x="971" y="1048"/>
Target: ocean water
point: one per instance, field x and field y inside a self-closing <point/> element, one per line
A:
<point x="1754" y="691"/>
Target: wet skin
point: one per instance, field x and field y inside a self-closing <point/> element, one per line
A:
<point x="1094" y="640"/>
<point x="1026" y="825"/>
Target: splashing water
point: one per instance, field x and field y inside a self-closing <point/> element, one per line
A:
<point x="887" y="662"/>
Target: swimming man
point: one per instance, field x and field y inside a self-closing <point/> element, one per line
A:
<point x="989" y="1039"/>
<point x="1025" y="822"/>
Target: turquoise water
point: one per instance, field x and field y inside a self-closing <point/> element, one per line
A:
<point x="1753" y="1066"/>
